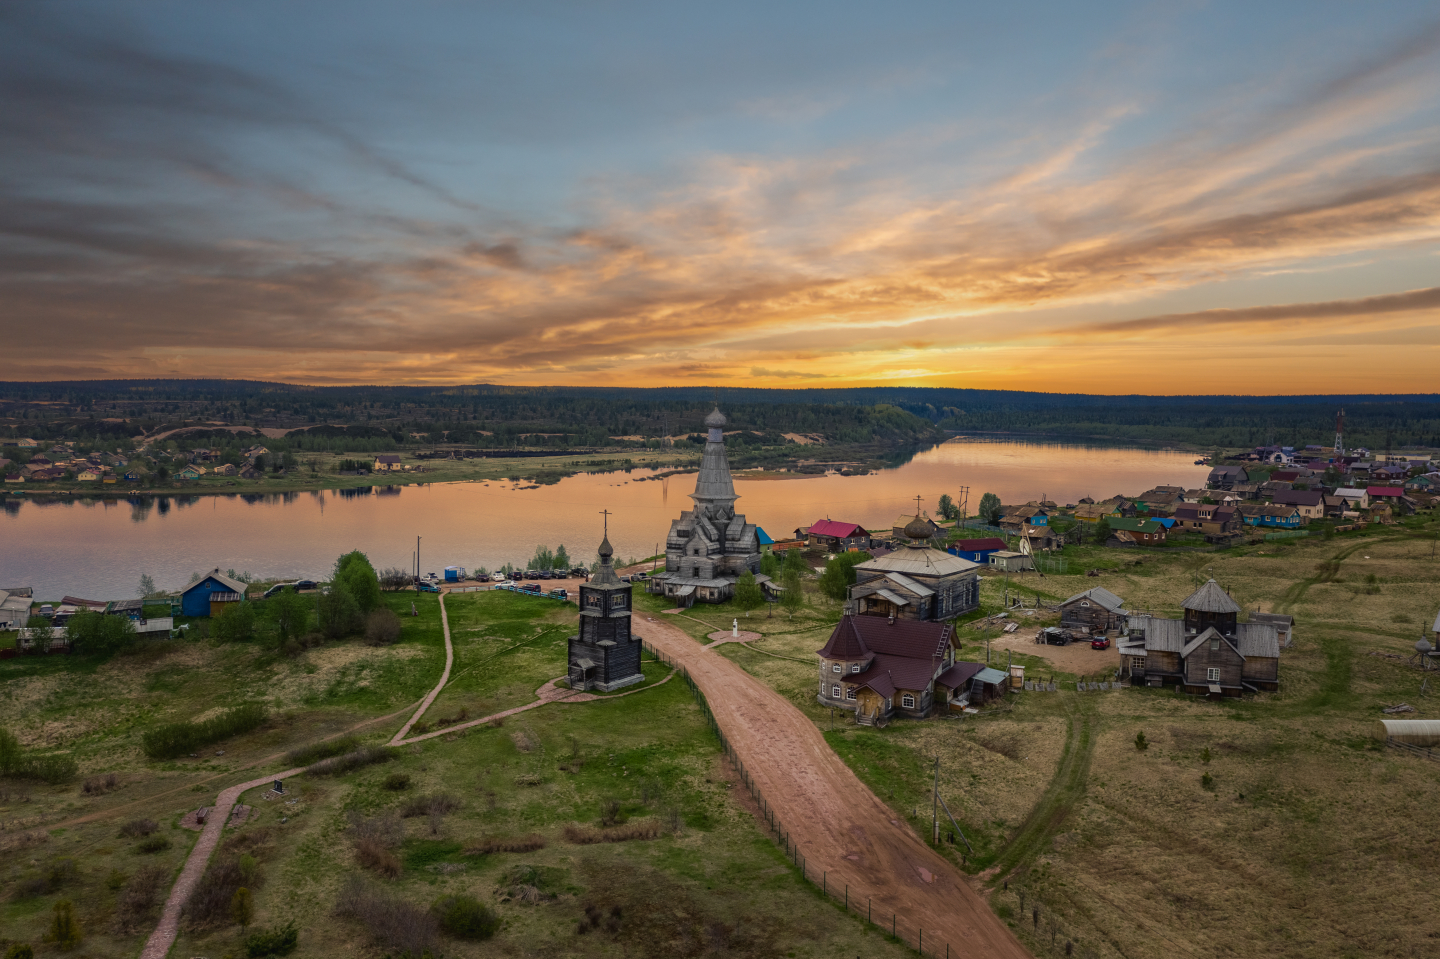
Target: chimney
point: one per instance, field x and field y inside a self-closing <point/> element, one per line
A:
<point x="892" y="619"/>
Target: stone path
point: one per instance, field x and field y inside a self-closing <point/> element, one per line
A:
<point x="158" y="946"/>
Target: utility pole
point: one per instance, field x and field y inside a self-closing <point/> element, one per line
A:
<point x="417" y="559"/>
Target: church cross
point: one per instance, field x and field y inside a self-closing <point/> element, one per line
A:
<point x="606" y="514"/>
<point x="917" y="506"/>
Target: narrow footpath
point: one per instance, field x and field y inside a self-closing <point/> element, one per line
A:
<point x="840" y="827"/>
<point x="158" y="946"/>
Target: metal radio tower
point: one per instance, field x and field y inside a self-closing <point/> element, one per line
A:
<point x="1340" y="434"/>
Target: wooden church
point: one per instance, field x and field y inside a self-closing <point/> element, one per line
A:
<point x="605" y="654"/>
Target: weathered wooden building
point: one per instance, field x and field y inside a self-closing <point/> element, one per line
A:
<point x="916" y="581"/>
<point x="1208" y="652"/>
<point x="604" y="654"/>
<point x="882" y="668"/>
<point x="1096" y="609"/>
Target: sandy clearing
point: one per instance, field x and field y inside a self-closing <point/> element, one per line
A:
<point x="1077" y="658"/>
<point x="838" y="824"/>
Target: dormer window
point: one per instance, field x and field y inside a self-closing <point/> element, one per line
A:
<point x="836" y="668"/>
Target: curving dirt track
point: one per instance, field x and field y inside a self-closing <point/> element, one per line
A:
<point x="839" y="825"/>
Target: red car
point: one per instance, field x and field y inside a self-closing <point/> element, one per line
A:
<point x="1100" y="642"/>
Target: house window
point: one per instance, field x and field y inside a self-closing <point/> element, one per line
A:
<point x="907" y="701"/>
<point x="850" y="693"/>
<point x="1212" y="675"/>
<point x="1215" y="645"/>
<point x="836" y="668"/>
<point x="594" y="600"/>
<point x="835" y="691"/>
<point x="854" y="667"/>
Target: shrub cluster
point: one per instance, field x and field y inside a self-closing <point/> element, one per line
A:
<point x="280" y="941"/>
<point x="305" y="755"/>
<point x="375" y="841"/>
<point x="16" y="763"/>
<point x="210" y="903"/>
<point x="138" y="828"/>
<point x="465" y="917"/>
<point x="100" y="785"/>
<point x="393" y="923"/>
<point x="429" y="805"/>
<point x="589" y="835"/>
<point x="493" y="844"/>
<point x="180" y="739"/>
<point x="138" y="898"/>
<point x="364" y="756"/>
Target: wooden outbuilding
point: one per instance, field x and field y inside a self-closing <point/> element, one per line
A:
<point x="1096" y="609"/>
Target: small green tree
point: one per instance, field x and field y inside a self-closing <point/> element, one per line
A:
<point x="947" y="508"/>
<point x="1102" y="531"/>
<point x="92" y="632"/>
<point x="147" y="586"/>
<point x="355" y="572"/>
<point x="1141" y="743"/>
<point x="748" y="594"/>
<point x="1205" y="755"/>
<point x="795" y="563"/>
<point x="792" y="599"/>
<point x="340" y="614"/>
<point x="839" y="574"/>
<point x="64" y="927"/>
<point x="465" y="917"/>
<point x="236" y="623"/>
<point x="990" y="509"/>
<point x="562" y="558"/>
<point x="770" y="565"/>
<point x="289" y="612"/>
<point x="20" y="950"/>
<point x="242" y="908"/>
<point x="41" y="632"/>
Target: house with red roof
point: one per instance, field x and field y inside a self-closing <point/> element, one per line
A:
<point x="881" y="667"/>
<point x="835" y="536"/>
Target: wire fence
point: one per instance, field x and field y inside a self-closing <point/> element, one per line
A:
<point x="872" y="912"/>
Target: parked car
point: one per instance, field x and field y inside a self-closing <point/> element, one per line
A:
<point x="497" y="577"/>
<point x="624" y="579"/>
<point x="304" y="584"/>
<point x="428" y="588"/>
<point x="530" y="588"/>
<point x="579" y="572"/>
<point x="532" y="574"/>
<point x="1100" y="642"/>
<point x="277" y="588"/>
<point x="544" y="574"/>
<point x="560" y="592"/>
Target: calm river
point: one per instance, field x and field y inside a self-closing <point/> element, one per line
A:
<point x="98" y="548"/>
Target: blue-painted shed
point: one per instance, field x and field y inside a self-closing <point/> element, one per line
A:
<point x="764" y="537"/>
<point x="195" y="599"/>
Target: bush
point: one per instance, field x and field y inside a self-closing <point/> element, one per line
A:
<point x="100" y="785"/>
<point x="382" y="627"/>
<point x="138" y="898"/>
<point x="64" y="927"/>
<point x="138" y="828"/>
<point x="364" y="756"/>
<point x="16" y="763"/>
<point x="839" y="574"/>
<point x="373" y="855"/>
<point x="397" y="782"/>
<point x="154" y="844"/>
<point x="236" y="624"/>
<point x="92" y="632"/>
<point x="429" y="805"/>
<point x="1141" y="744"/>
<point x="20" y="950"/>
<point x="272" y="942"/>
<point x="589" y="835"/>
<point x="210" y="902"/>
<point x="305" y="755"/>
<point x="180" y="739"/>
<point x="493" y="844"/>
<point x="465" y="917"/>
<point x="392" y="923"/>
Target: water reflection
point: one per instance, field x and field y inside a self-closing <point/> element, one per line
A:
<point x="103" y="553"/>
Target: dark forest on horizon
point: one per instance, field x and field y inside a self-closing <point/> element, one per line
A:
<point x="489" y="415"/>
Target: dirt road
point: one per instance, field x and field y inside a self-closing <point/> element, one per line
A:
<point x="839" y="825"/>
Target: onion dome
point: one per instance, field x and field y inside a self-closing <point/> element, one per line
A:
<point x="715" y="420"/>
<point x="606" y="550"/>
<point x="917" y="528"/>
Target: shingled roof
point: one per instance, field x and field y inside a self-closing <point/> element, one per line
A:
<point x="856" y="636"/>
<point x="1210" y="598"/>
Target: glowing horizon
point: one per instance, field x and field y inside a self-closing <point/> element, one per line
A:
<point x="1115" y="200"/>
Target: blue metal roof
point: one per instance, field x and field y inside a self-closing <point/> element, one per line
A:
<point x="764" y="537"/>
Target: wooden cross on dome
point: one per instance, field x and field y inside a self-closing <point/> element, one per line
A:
<point x="917" y="506"/>
<point x="606" y="514"/>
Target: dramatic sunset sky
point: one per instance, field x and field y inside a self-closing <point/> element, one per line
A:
<point x="1166" y="197"/>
